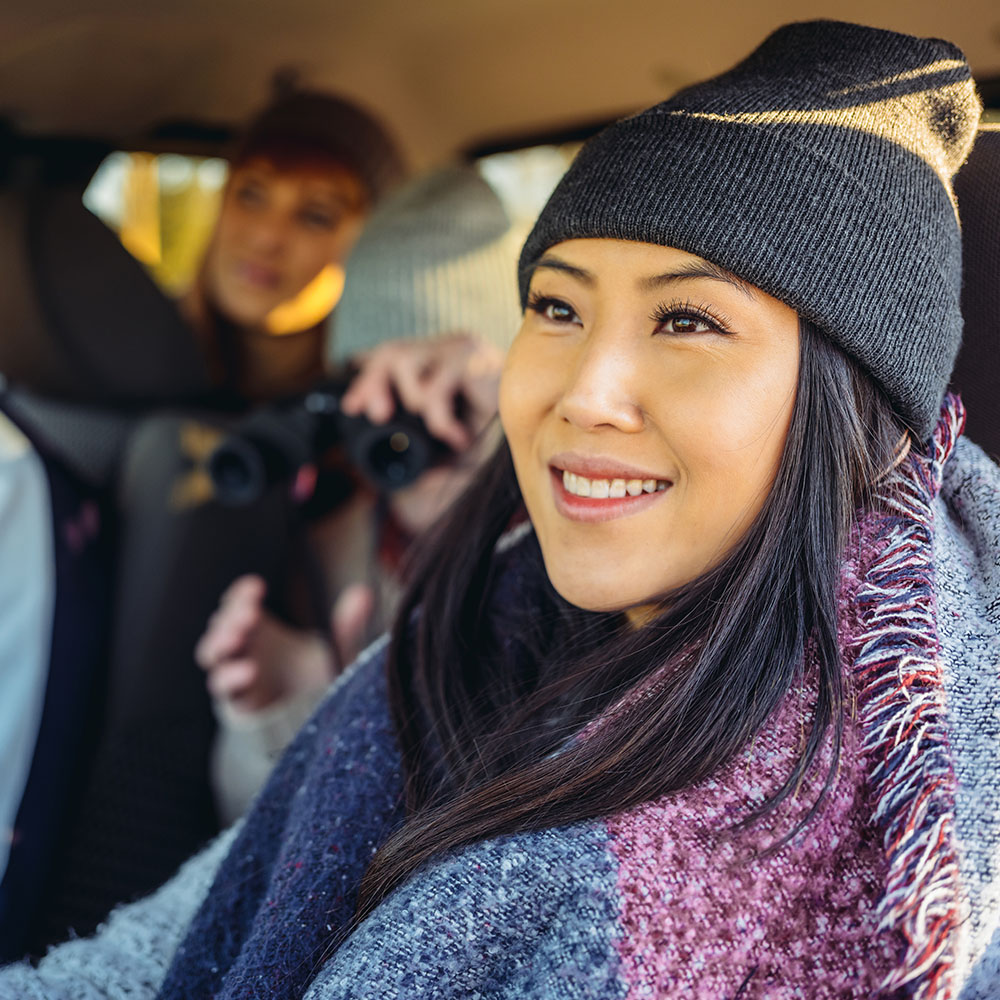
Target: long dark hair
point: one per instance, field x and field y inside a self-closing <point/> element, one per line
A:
<point x="493" y="680"/>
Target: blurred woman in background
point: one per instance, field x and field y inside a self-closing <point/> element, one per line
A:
<point x="303" y="179"/>
<point x="428" y="311"/>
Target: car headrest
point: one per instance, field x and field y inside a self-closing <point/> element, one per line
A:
<point x="977" y="370"/>
<point x="81" y="320"/>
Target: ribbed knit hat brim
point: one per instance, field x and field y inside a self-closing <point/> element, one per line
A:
<point x="818" y="169"/>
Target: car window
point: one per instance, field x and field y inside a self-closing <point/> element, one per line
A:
<point x="162" y="207"/>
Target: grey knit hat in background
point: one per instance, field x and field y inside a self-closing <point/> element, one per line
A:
<point x="436" y="257"/>
<point x="303" y="124"/>
<point x="818" y="169"/>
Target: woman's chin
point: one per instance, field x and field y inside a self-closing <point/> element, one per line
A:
<point x="246" y="313"/>
<point x="243" y="307"/>
<point x="594" y="597"/>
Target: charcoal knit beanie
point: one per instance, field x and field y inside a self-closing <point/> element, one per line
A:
<point x="818" y="169"/>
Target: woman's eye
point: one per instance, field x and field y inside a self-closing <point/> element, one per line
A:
<point x="319" y="219"/>
<point x="250" y="195"/>
<point x="554" y="310"/>
<point x="682" y="324"/>
<point x="559" y="312"/>
<point x="686" y="324"/>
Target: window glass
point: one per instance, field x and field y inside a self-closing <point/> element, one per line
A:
<point x="162" y="207"/>
<point x="524" y="178"/>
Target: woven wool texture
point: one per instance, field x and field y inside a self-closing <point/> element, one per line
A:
<point x="707" y="915"/>
<point x="818" y="169"/>
<point x="967" y="569"/>
<point x="654" y="901"/>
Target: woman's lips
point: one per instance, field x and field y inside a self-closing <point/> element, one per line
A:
<point x="600" y="468"/>
<point x="259" y="276"/>
<point x="604" y="498"/>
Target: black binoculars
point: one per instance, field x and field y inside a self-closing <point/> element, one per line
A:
<point x="272" y="443"/>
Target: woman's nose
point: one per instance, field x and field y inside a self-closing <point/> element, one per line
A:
<point x="601" y="390"/>
<point x="269" y="233"/>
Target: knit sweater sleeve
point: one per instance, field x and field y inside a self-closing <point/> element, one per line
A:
<point x="128" y="957"/>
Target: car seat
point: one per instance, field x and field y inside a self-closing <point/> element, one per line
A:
<point x="117" y="794"/>
<point x="88" y="344"/>
<point x="62" y="665"/>
<point x="83" y="322"/>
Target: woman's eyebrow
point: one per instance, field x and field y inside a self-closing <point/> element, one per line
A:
<point x="554" y="263"/>
<point x="337" y="201"/>
<point x="699" y="269"/>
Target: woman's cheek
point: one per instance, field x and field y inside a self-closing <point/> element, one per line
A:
<point x="513" y="387"/>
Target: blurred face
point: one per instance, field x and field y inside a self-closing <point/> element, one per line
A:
<point x="277" y="230"/>
<point x="646" y="401"/>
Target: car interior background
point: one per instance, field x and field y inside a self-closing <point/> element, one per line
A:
<point x="114" y="124"/>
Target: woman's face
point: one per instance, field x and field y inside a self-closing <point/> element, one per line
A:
<point x="277" y="229"/>
<point x="646" y="401"/>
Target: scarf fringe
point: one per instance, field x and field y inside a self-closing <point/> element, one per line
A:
<point x="902" y="704"/>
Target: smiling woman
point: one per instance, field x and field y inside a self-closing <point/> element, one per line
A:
<point x="306" y="174"/>
<point x="693" y="692"/>
<point x="277" y="230"/>
<point x="646" y="403"/>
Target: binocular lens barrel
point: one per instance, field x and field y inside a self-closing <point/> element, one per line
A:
<point x="272" y="444"/>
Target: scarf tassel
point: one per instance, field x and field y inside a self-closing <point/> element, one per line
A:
<point x="902" y="703"/>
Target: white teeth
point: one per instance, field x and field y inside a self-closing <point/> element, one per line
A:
<point x="599" y="489"/>
<point x="577" y="485"/>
